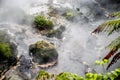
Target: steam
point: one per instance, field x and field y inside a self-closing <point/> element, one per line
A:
<point x="14" y="10"/>
<point x="78" y="46"/>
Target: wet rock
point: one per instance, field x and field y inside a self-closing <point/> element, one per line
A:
<point x="44" y="53"/>
<point x="24" y="64"/>
<point x="8" y="52"/>
<point x="12" y="75"/>
<point x="22" y="71"/>
<point x="56" y="33"/>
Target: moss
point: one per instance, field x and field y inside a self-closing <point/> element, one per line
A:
<point x="69" y="14"/>
<point x="42" y="75"/>
<point x="42" y="23"/>
<point x="44" y="45"/>
<point x="5" y="50"/>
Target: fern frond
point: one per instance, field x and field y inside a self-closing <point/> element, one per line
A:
<point x="112" y="52"/>
<point x="109" y="26"/>
<point x="114" y="46"/>
<point x="115" y="14"/>
<point x="114" y="60"/>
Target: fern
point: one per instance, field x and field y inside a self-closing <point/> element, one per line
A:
<point x="115" y="14"/>
<point x="114" y="46"/>
<point x="109" y="26"/>
<point x="114" y="60"/>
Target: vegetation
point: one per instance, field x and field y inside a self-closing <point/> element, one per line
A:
<point x="5" y="50"/>
<point x="111" y="26"/>
<point x="42" y="23"/>
<point x="68" y="76"/>
<point x="68" y="14"/>
<point x="42" y="75"/>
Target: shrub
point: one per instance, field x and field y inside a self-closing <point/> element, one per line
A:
<point x="42" y="23"/>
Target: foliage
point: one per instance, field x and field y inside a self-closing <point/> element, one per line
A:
<point x="114" y="59"/>
<point x="102" y="62"/>
<point x="111" y="26"/>
<point x="68" y="76"/>
<point x="5" y="50"/>
<point x="42" y="75"/>
<point x="107" y="76"/>
<point x="115" y="14"/>
<point x="42" y="23"/>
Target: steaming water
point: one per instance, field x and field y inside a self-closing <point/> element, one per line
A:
<point x="78" y="45"/>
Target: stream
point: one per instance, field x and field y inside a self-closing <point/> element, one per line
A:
<point x="78" y="49"/>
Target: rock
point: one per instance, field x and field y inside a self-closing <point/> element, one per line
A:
<point x="12" y="75"/>
<point x="20" y="72"/>
<point x="56" y="33"/>
<point x="8" y="52"/>
<point x="44" y="53"/>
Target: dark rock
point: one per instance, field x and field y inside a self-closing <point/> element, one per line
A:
<point x="44" y="53"/>
<point x="56" y="33"/>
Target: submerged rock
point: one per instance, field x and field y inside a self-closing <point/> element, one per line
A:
<point x="44" y="53"/>
<point x="8" y="51"/>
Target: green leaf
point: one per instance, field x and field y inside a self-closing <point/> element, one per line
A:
<point x="114" y="73"/>
<point x="105" y="77"/>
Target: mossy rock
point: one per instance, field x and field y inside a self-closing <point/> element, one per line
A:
<point x="44" y="53"/>
<point x="7" y="58"/>
<point x="56" y="33"/>
<point x="8" y="52"/>
<point x="41" y="23"/>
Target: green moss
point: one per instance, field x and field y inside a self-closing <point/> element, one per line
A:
<point x="42" y="23"/>
<point x="44" y="45"/>
<point x="42" y="75"/>
<point x="5" y="50"/>
<point x="69" y="14"/>
<point x="68" y="76"/>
